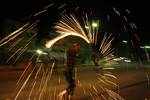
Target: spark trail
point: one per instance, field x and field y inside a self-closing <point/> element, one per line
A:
<point x="69" y="25"/>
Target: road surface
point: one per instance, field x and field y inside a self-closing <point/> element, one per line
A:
<point x="133" y="84"/>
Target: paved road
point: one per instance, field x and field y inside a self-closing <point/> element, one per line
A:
<point x="133" y="83"/>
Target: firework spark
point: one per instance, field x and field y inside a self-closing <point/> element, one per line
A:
<point x="18" y="32"/>
<point x="66" y="27"/>
<point x="69" y="25"/>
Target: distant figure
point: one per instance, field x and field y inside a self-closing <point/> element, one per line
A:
<point x="70" y="70"/>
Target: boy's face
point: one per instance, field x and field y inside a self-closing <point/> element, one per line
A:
<point x="76" y="47"/>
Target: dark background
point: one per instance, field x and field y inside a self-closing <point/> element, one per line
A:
<point x="139" y="9"/>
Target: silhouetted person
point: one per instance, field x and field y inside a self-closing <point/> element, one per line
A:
<point x="70" y="70"/>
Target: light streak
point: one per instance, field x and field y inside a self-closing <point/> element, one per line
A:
<point x="15" y="43"/>
<point x="62" y="12"/>
<point x="31" y="90"/>
<point x="24" y="84"/>
<point x="13" y="33"/>
<point x="50" y="43"/>
<point x="17" y="32"/>
<point x="76" y="8"/>
<point x="125" y="18"/>
<point x="114" y="95"/>
<point x="46" y="7"/>
<point x="38" y="13"/>
<point x="14" y="54"/>
<point x="127" y="10"/>
<point x="62" y="6"/>
<point x="110" y="75"/>
<point x="23" y="74"/>
<point x="46" y="80"/>
<point x="22" y="51"/>
<point x="116" y="11"/>
<point x="68" y="26"/>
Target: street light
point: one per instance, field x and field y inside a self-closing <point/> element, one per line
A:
<point x="145" y="47"/>
<point x="86" y="27"/>
<point x="124" y="41"/>
<point x="94" y="24"/>
<point x="41" y="52"/>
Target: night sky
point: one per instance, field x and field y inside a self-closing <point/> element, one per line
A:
<point x="18" y="10"/>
